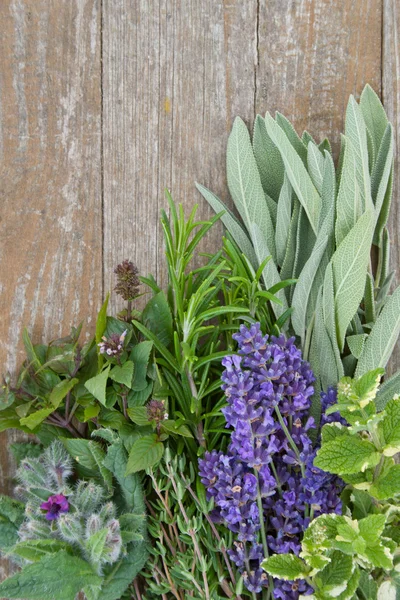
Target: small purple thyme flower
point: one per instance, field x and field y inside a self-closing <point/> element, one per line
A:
<point x="114" y="345"/>
<point x="55" y="506"/>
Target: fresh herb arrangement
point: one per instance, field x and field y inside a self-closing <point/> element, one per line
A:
<point x="234" y="439"/>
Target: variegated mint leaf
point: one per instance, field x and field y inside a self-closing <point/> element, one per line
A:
<point x="346" y="455"/>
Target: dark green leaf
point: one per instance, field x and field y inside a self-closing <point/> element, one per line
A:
<point x="145" y="452"/>
<point x="157" y="317"/>
<point x="97" y="385"/>
<point x="123" y="374"/>
<point x="58" y="576"/>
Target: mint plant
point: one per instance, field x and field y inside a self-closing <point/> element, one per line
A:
<point x="354" y="555"/>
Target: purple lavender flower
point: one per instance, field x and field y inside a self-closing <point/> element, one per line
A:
<point x="55" y="506"/>
<point x="267" y="480"/>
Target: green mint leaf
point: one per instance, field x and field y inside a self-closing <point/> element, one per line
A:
<point x="346" y="455"/>
<point x="123" y="374"/>
<point x="371" y="527"/>
<point x="34" y="420"/>
<point x="60" y="576"/>
<point x="157" y="317"/>
<point x="59" y="392"/>
<point x="390" y="425"/>
<point x="334" y="578"/>
<point x="286" y="566"/>
<point x="379" y="556"/>
<point x="97" y="385"/>
<point x="145" y="452"/>
<point x="368" y="586"/>
<point x="333" y="430"/>
<point x="140" y="356"/>
<point x="138" y="415"/>
<point x="171" y="426"/>
<point x="387" y="485"/>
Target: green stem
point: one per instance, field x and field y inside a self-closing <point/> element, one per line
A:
<point x="290" y="440"/>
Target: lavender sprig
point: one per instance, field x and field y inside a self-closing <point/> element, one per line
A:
<point x="265" y="487"/>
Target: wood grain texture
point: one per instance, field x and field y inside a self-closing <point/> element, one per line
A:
<point x="312" y="54"/>
<point x="175" y="73"/>
<point x="50" y="185"/>
<point x="391" y="100"/>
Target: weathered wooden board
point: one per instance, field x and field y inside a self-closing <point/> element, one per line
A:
<point x="50" y="186"/>
<point x="105" y="103"/>
<point x="175" y="75"/>
<point x="391" y="99"/>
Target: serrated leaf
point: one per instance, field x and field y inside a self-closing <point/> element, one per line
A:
<point x="59" y="392"/>
<point x="368" y="586"/>
<point x="390" y="425"/>
<point x="335" y="576"/>
<point x="36" y="418"/>
<point x="331" y="431"/>
<point x="58" y="575"/>
<point x="171" y="427"/>
<point x="139" y="415"/>
<point x="371" y="527"/>
<point x="316" y="165"/>
<point x="245" y="184"/>
<point x="286" y="566"/>
<point x="140" y="356"/>
<point x="356" y="133"/>
<point x="387" y="485"/>
<point x="346" y="455"/>
<point x="123" y="374"/>
<point x="284" y="212"/>
<point x="231" y="223"/>
<point x="97" y="385"/>
<point x="145" y="452"/>
<point x="383" y="337"/>
<point x="374" y="114"/>
<point x="296" y="172"/>
<point x="349" y="264"/>
<point x="157" y="317"/>
<point x="348" y="205"/>
<point x="268" y="159"/>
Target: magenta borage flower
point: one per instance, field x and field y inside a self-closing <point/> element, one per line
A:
<point x="55" y="506"/>
<point x="261" y="482"/>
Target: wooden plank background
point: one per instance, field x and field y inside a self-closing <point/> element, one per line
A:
<point x="104" y="103"/>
